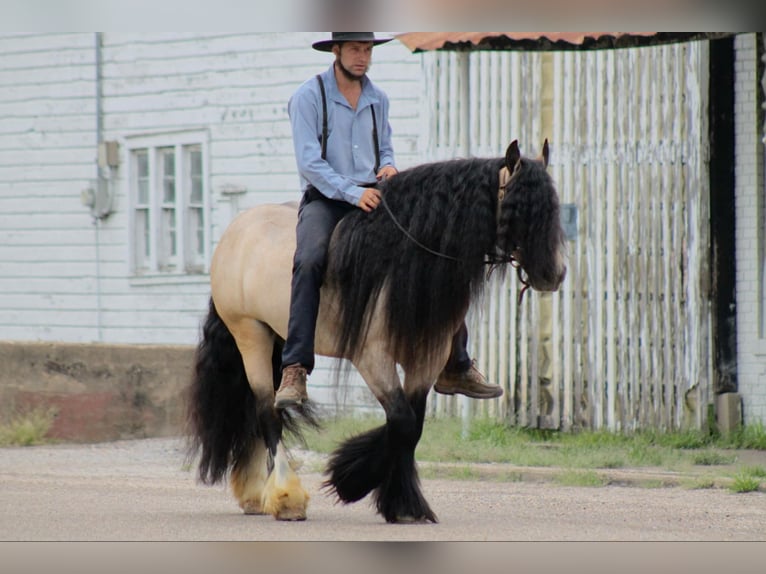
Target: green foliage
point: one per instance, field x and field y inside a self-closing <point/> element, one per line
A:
<point x="745" y="483"/>
<point x="580" y="478"/>
<point x="754" y="471"/>
<point x="752" y="436"/>
<point x="485" y="440"/>
<point x="26" y="428"/>
<point x="703" y="482"/>
<point x="712" y="458"/>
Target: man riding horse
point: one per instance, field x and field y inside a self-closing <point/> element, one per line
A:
<point x="342" y="139"/>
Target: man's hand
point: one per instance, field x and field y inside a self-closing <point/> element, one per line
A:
<point x="370" y="199"/>
<point x="385" y="172"/>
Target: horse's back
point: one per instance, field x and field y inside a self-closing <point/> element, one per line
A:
<point x="251" y="270"/>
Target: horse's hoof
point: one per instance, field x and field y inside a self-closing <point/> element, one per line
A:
<point x="252" y="507"/>
<point x="291" y="515"/>
<point x="410" y="520"/>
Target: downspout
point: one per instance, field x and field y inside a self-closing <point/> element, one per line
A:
<point x="464" y="60"/>
<point x="99" y="180"/>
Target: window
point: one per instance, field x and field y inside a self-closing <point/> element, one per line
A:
<point x="169" y="197"/>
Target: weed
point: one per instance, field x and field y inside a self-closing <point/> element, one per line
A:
<point x="754" y="471"/>
<point x="700" y="483"/>
<point x="745" y="483"/>
<point x="712" y="458"/>
<point x="448" y="439"/>
<point x="580" y="478"/>
<point x="27" y="428"/>
<point x="752" y="436"/>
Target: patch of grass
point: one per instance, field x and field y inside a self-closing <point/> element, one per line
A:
<point x="654" y="483"/>
<point x="27" y="428"/>
<point x="691" y="439"/>
<point x="755" y="471"/>
<point x="611" y="461"/>
<point x="462" y="473"/>
<point x="334" y="431"/>
<point x="712" y="458"/>
<point x="752" y="436"/>
<point x="745" y="483"/>
<point x="488" y="440"/>
<point x="508" y="476"/>
<point x="700" y="483"/>
<point x="642" y="453"/>
<point x="580" y="478"/>
<point x="449" y="472"/>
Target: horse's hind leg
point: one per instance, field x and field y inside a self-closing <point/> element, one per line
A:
<point x="249" y="479"/>
<point x="284" y="497"/>
<point x="278" y="493"/>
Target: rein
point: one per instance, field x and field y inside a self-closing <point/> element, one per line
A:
<point x="504" y="177"/>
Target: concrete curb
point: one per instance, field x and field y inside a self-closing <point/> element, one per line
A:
<point x="706" y="477"/>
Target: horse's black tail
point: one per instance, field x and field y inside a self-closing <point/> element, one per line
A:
<point x="221" y="407"/>
<point x="224" y="416"/>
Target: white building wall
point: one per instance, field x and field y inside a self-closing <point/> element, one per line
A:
<point x="47" y="156"/>
<point x="751" y="338"/>
<point x="233" y="87"/>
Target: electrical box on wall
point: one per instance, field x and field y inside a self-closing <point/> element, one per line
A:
<point x="109" y="154"/>
<point x="98" y="198"/>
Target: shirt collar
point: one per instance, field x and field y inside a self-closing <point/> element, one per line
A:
<point x="369" y="96"/>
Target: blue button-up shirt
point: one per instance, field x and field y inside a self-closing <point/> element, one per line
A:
<point x="350" y="161"/>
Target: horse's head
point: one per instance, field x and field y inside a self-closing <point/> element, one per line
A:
<point x="529" y="228"/>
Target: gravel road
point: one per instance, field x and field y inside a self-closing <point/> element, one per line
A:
<point x="141" y="491"/>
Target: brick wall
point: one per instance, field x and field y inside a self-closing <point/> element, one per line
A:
<point x="751" y="341"/>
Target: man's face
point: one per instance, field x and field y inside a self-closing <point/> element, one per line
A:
<point x="353" y="58"/>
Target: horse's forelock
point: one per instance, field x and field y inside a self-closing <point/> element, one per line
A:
<point x="529" y="219"/>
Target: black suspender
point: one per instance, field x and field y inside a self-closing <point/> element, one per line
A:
<point x="324" y="117"/>
<point x="375" y="140"/>
<point x="324" y="127"/>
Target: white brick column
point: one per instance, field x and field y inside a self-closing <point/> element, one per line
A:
<point x="749" y="193"/>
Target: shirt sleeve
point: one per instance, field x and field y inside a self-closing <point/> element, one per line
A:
<point x="305" y="111"/>
<point x="386" y="147"/>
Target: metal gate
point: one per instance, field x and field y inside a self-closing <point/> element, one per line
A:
<point x="626" y="343"/>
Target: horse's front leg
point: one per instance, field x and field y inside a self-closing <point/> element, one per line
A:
<point x="382" y="460"/>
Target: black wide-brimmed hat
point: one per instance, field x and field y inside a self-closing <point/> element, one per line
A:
<point x="326" y="45"/>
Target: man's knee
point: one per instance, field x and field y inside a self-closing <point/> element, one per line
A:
<point x="311" y="258"/>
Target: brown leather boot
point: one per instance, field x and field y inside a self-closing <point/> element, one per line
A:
<point x="470" y="383"/>
<point x="292" y="387"/>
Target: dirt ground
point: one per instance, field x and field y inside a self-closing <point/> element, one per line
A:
<point x="142" y="490"/>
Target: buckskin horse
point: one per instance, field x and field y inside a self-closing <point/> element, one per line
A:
<point x="398" y="284"/>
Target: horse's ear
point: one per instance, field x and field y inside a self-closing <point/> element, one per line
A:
<point x="545" y="152"/>
<point x="512" y="155"/>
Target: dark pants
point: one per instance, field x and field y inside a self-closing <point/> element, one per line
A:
<point x="317" y="218"/>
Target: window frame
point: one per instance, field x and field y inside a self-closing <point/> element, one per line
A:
<point x="185" y="262"/>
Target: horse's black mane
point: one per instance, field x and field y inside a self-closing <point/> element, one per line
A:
<point x="450" y="207"/>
